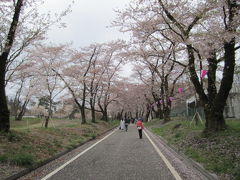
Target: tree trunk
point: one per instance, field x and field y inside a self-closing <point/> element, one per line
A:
<point x="83" y="115"/>
<point x="213" y="108"/>
<point x="4" y="112"/>
<point x="49" y="113"/>
<point x="166" y="115"/>
<point x="142" y="113"/>
<point x="159" y="112"/>
<point x="148" y="113"/>
<point x="125" y="115"/>
<point x="46" y="121"/>
<point x="22" y="111"/>
<point x="104" y="116"/>
<point x="14" y="109"/>
<point x="120" y="115"/>
<point x="92" y="104"/>
<point x="130" y="114"/>
<point x="72" y="114"/>
<point x="93" y="115"/>
<point x="214" y="119"/>
<point x="21" y="114"/>
<point x="104" y="112"/>
<point x="137" y="114"/>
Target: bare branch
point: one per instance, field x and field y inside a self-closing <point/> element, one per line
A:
<point x="170" y="16"/>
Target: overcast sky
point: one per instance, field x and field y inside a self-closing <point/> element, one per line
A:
<point x="88" y="21"/>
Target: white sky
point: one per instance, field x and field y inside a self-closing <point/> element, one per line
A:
<point x="87" y="23"/>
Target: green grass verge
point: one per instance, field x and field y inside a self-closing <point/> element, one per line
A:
<point x="218" y="153"/>
<point x="24" y="123"/>
<point x="27" y="145"/>
<point x="18" y="158"/>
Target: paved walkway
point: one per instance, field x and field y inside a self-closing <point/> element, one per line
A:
<point x="121" y="156"/>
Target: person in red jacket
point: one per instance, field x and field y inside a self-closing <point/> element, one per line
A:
<point x="140" y="127"/>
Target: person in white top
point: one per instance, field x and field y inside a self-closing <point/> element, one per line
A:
<point x="122" y="124"/>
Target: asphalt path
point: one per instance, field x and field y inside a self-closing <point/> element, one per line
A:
<point x="122" y="155"/>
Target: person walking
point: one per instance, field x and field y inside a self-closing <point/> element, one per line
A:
<point x="127" y="122"/>
<point x="122" y="124"/>
<point x="140" y="127"/>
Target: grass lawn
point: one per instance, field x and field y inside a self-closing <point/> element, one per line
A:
<point x="218" y="153"/>
<point x="28" y="143"/>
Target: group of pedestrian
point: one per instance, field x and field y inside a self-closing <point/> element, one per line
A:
<point x="125" y="122"/>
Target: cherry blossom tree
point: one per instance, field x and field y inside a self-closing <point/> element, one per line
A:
<point x="96" y="73"/>
<point x="4" y="112"/>
<point x="26" y="85"/>
<point x="158" y="61"/>
<point x="75" y="75"/>
<point x="21" y="25"/>
<point x="89" y="75"/>
<point x="45" y="59"/>
<point x="148" y="77"/>
<point x="111" y="61"/>
<point x="130" y="102"/>
<point x="218" y="21"/>
<point x="208" y="30"/>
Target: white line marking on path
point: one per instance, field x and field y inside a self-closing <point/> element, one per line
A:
<point x="170" y="167"/>
<point x="74" y="158"/>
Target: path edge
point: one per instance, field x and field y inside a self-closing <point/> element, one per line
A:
<point x="198" y="166"/>
<point x="30" y="169"/>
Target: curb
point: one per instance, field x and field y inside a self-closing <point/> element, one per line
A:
<point x="199" y="167"/>
<point x="28" y="170"/>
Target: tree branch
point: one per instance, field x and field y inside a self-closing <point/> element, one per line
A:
<point x="169" y="15"/>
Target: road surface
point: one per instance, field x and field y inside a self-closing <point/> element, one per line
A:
<point x="121" y="155"/>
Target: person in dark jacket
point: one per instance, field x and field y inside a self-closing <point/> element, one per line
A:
<point x="127" y="122"/>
